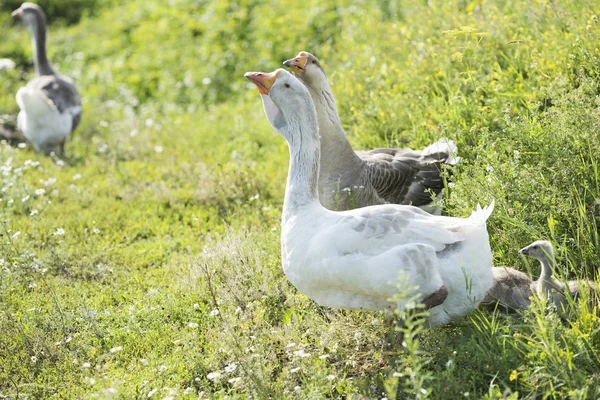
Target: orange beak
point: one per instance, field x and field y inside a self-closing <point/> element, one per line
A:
<point x="16" y="13"/>
<point x="297" y="64"/>
<point x="262" y="80"/>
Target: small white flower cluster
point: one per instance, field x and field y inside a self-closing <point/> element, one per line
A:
<point x="215" y="376"/>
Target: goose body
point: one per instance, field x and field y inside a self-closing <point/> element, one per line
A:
<point x="511" y="290"/>
<point x="50" y="104"/>
<point x="350" y="179"/>
<point x="355" y="259"/>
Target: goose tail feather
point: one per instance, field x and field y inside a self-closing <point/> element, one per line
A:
<point x="481" y="215"/>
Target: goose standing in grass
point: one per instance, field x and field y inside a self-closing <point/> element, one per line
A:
<point x="554" y="290"/>
<point x="350" y="179"/>
<point x="50" y="105"/>
<point x="355" y="259"/>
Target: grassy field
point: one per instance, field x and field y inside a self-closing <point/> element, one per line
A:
<point x="145" y="264"/>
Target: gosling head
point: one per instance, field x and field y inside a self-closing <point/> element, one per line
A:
<point x="307" y="68"/>
<point x="541" y="250"/>
<point x="286" y="101"/>
<point x="31" y="14"/>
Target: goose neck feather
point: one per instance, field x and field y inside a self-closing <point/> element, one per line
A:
<point x="303" y="174"/>
<point x="38" y="31"/>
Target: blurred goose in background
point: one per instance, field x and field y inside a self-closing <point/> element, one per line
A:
<point x="350" y="179"/>
<point x="355" y="259"/>
<point x="50" y="105"/>
<point x="554" y="290"/>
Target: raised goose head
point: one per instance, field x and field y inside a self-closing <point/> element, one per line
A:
<point x="308" y="69"/>
<point x="286" y="102"/>
<point x="32" y="16"/>
<point x="541" y="250"/>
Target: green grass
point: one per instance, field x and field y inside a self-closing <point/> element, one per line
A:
<point x="168" y="272"/>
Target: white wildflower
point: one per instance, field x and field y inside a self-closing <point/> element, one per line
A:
<point x="61" y="163"/>
<point x="193" y="325"/>
<point x="33" y="359"/>
<point x="150" y="393"/>
<point x="231" y="367"/>
<point x="214" y="313"/>
<point x="158" y="149"/>
<point x="76" y="177"/>
<point x="86" y="365"/>
<point x="96" y="231"/>
<point x="24" y="199"/>
<point x="206" y="81"/>
<point x="33" y="212"/>
<point x="489" y="169"/>
<point x="162" y="368"/>
<point x="214" y="376"/>
<point x="331" y="377"/>
<point x="59" y="232"/>
<point x="103" y="124"/>
<point x="115" y="349"/>
<point x="301" y="354"/>
<point x="294" y="370"/>
<point x="16" y="234"/>
<point x="196" y="306"/>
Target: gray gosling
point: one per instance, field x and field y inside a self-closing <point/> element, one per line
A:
<point x="554" y="290"/>
<point x="510" y="291"/>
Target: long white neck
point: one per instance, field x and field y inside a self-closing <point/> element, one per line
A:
<point x="336" y="150"/>
<point x="40" y="58"/>
<point x="548" y="264"/>
<point x="546" y="283"/>
<point x="303" y="174"/>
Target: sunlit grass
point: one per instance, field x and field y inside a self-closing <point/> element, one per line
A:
<point x="146" y="263"/>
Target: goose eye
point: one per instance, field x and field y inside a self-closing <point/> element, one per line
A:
<point x="314" y="61"/>
<point x="287" y="85"/>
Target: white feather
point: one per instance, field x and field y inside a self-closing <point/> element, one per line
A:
<point x="40" y="121"/>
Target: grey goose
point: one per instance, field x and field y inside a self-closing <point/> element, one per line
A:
<point x="350" y="179"/>
<point x="50" y="104"/>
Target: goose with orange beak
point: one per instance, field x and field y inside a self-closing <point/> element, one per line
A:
<point x="357" y="179"/>
<point x="357" y="259"/>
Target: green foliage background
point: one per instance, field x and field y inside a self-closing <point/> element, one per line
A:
<point x="171" y="191"/>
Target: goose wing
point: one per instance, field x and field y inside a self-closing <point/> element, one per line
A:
<point x="402" y="179"/>
<point x="60" y="94"/>
<point x="371" y="230"/>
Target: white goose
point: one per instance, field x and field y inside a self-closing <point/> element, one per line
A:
<point x="354" y="259"/>
<point x="50" y="105"/>
<point x="379" y="176"/>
